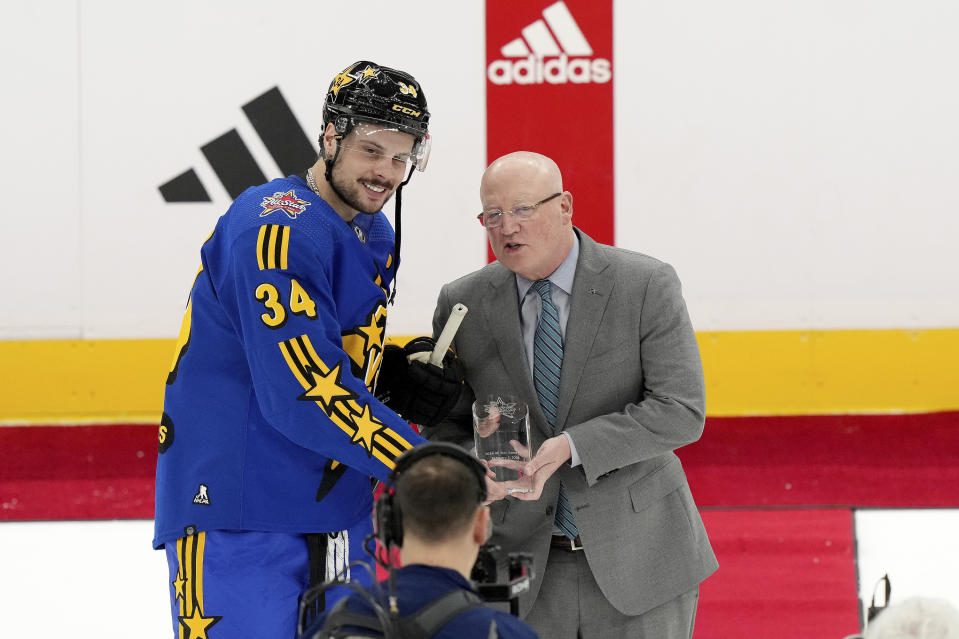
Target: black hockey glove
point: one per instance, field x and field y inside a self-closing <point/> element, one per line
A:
<point x="419" y="391"/>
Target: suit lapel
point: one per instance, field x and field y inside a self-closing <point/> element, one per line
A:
<point x="590" y="295"/>
<point x="501" y="313"/>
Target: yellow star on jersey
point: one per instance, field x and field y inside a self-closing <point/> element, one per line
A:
<point x="367" y="427"/>
<point x="327" y="388"/>
<point x="197" y="624"/>
<point x="178" y="585"/>
<point x="378" y="280"/>
<point x="372" y="333"/>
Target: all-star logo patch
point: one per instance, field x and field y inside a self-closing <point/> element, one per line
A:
<point x="202" y="497"/>
<point x="286" y="202"/>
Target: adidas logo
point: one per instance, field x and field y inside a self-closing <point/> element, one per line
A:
<point x="552" y="50"/>
<point x="233" y="161"/>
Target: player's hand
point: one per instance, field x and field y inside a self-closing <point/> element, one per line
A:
<point x="417" y="390"/>
<point x="554" y="452"/>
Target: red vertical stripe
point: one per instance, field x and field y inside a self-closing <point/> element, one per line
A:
<point x="557" y="105"/>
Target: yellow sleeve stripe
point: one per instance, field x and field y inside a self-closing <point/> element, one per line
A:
<point x="338" y="403"/>
<point x="293" y="360"/>
<point x="260" y="243"/>
<point x="353" y="405"/>
<point x="284" y="246"/>
<point x="273" y="246"/>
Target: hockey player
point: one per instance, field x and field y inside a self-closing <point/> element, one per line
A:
<point x="271" y="431"/>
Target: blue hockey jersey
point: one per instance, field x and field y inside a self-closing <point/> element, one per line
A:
<point x="269" y="422"/>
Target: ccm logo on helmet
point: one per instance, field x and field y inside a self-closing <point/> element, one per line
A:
<point x="407" y="111"/>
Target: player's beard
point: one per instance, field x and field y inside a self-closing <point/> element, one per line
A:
<point x="350" y="191"/>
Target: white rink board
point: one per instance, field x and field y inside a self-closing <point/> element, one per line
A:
<point x="40" y="264"/>
<point x="84" y="580"/>
<point x="794" y="160"/>
<point x="916" y="548"/>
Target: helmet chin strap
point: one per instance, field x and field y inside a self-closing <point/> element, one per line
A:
<point x="398" y="227"/>
<point x="329" y="166"/>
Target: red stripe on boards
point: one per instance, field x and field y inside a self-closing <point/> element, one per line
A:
<point x="77" y="472"/>
<point x="826" y="460"/>
<point x="895" y="461"/>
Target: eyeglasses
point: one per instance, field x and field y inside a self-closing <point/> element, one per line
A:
<point x="493" y="218"/>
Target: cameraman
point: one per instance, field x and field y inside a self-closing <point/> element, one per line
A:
<point x="433" y="508"/>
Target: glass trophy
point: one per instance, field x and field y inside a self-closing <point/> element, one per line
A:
<point x="501" y="436"/>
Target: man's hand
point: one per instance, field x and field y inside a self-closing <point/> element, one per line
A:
<point x="551" y="454"/>
<point x="522" y="452"/>
<point x="495" y="490"/>
<point x="417" y="390"/>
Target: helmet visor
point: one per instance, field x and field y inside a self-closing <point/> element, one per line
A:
<point x="377" y="139"/>
<point x="421" y="152"/>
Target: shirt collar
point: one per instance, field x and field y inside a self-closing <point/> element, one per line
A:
<point x="435" y="573"/>
<point x="562" y="277"/>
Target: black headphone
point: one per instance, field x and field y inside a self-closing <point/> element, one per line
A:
<point x="389" y="519"/>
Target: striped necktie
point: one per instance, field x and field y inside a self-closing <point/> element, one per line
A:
<point x="547" y="365"/>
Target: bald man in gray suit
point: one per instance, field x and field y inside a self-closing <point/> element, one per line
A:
<point x="619" y="547"/>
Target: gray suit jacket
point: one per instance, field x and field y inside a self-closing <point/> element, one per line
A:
<point x="631" y="391"/>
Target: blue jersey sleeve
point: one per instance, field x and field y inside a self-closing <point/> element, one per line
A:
<point x="312" y="316"/>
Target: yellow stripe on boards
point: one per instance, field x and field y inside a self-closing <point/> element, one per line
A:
<point x="84" y="381"/>
<point x="747" y="373"/>
<point x="829" y="372"/>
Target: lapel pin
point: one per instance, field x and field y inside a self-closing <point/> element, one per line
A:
<point x="593" y="291"/>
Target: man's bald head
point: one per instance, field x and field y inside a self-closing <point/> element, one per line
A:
<point x="535" y="246"/>
<point x="523" y="165"/>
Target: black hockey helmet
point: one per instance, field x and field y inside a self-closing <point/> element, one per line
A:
<point x="368" y="92"/>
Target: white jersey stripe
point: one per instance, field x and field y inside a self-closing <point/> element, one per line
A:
<point x="540" y="40"/>
<point x="338" y="556"/>
<point x="566" y="30"/>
